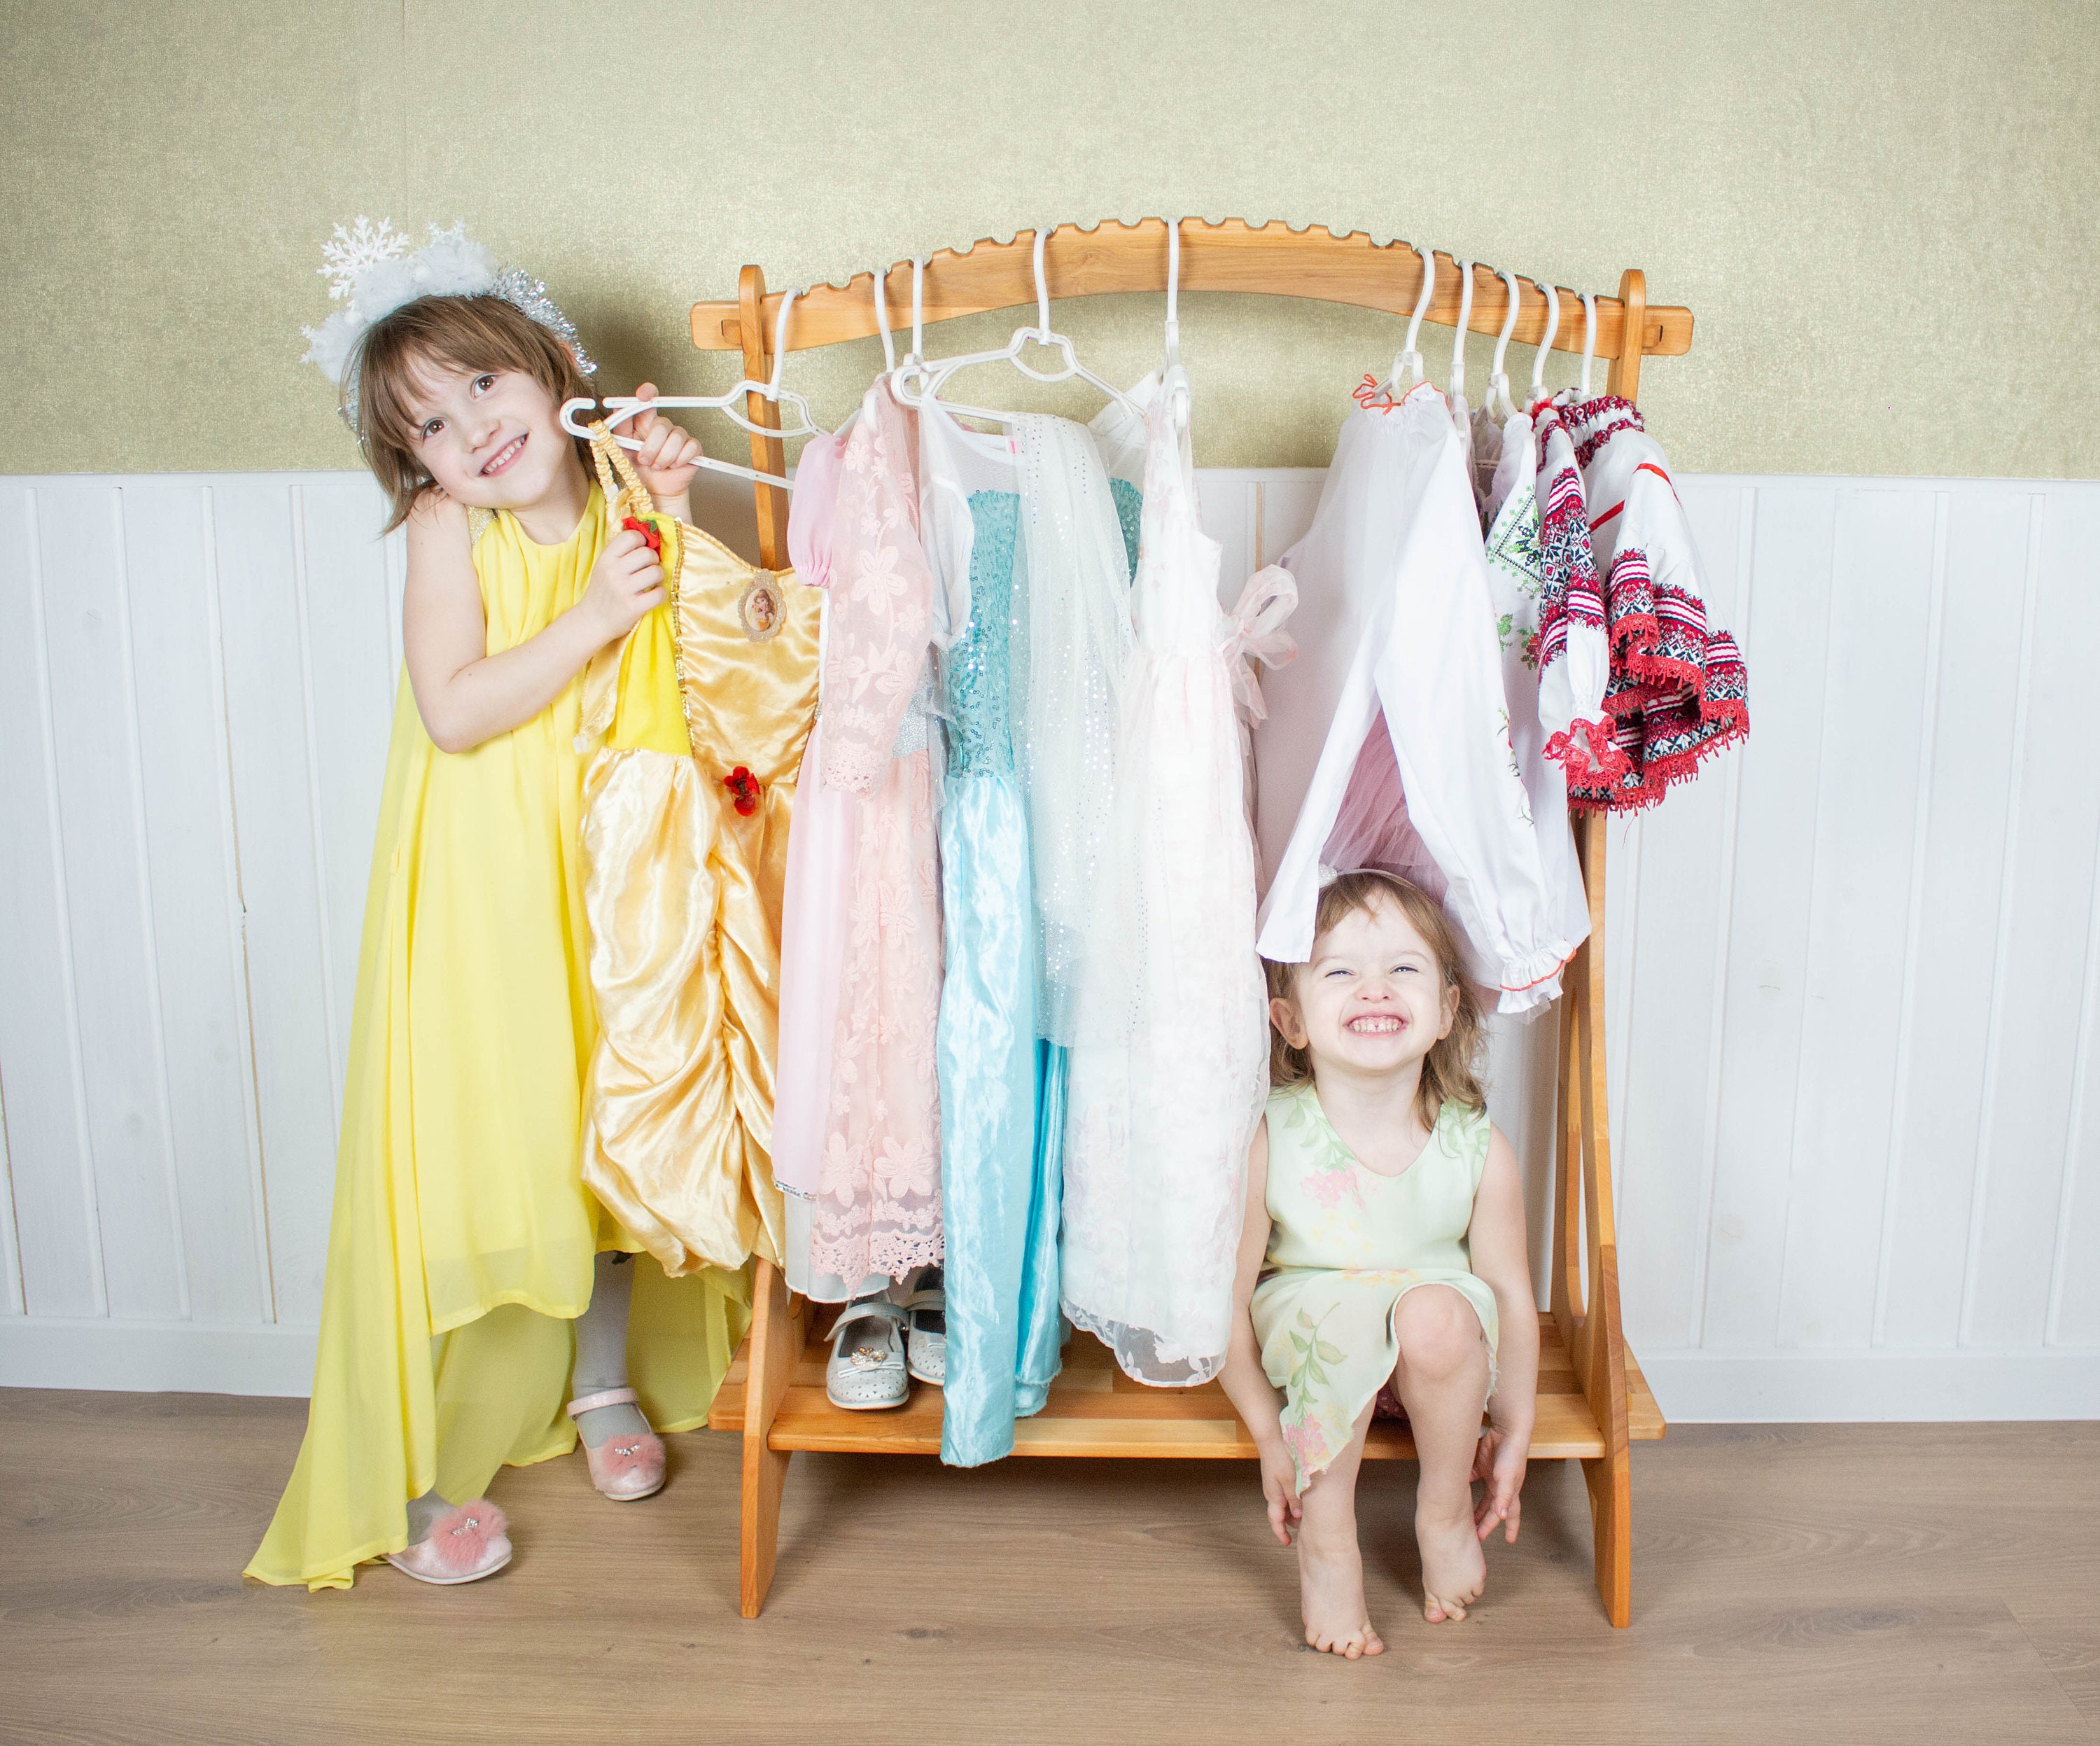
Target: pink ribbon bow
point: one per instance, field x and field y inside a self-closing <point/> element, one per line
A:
<point x="1254" y="634"/>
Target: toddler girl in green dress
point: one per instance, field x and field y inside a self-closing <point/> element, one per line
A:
<point x="1384" y="1245"/>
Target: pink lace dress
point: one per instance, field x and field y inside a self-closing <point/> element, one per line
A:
<point x="877" y="1209"/>
<point x="814" y="901"/>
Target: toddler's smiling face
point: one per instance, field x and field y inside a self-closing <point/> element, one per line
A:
<point x="1372" y="999"/>
<point x="489" y="438"/>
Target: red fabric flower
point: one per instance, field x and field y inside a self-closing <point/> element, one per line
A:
<point x="650" y="537"/>
<point x="744" y="786"/>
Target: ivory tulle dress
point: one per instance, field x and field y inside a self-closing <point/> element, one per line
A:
<point x="1346" y="1245"/>
<point x="460" y="1210"/>
<point x="1169" y="1068"/>
<point x="704" y="710"/>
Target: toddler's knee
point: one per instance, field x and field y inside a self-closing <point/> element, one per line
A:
<point x="1439" y="1332"/>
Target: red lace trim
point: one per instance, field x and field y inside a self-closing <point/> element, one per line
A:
<point x="1588" y="753"/>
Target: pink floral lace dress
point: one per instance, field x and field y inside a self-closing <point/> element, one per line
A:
<point x="877" y="1209"/>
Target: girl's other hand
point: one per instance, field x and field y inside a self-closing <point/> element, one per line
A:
<point x="626" y="583"/>
<point x="669" y="457"/>
<point x="1279" y="1490"/>
<point x="1499" y="1461"/>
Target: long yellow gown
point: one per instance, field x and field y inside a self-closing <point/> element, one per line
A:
<point x="462" y="1239"/>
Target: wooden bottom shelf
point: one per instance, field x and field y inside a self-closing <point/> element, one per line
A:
<point x="1095" y="1409"/>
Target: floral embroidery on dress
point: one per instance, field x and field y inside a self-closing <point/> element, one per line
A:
<point x="878" y="1204"/>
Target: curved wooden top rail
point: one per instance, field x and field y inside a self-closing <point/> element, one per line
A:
<point x="1231" y="256"/>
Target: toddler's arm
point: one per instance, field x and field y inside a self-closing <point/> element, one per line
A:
<point x="1502" y="1257"/>
<point x="1246" y="1384"/>
<point x="465" y="694"/>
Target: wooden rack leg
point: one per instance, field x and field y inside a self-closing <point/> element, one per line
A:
<point x="774" y="1349"/>
<point x="1596" y="1343"/>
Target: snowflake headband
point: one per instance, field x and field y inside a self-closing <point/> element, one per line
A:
<point x="370" y="272"/>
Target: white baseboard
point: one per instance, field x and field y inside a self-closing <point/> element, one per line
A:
<point x="1693" y="1388"/>
<point x="155" y="1357"/>
<point x="1877" y="1387"/>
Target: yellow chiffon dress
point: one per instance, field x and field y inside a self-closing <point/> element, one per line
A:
<point x="463" y="1238"/>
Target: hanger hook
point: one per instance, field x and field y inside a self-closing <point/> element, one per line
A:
<point x="1409" y="359"/>
<point x="918" y="307"/>
<point x="780" y="339"/>
<point x="1589" y="338"/>
<point x="1458" y="338"/>
<point x="882" y="319"/>
<point x="1042" y="282"/>
<point x="1173" y="292"/>
<point x="1545" y="344"/>
<point x="1499" y="379"/>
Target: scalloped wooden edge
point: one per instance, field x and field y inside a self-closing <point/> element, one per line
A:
<point x="1229" y="254"/>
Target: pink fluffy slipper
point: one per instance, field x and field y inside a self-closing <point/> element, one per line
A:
<point x="623" y="1468"/>
<point x="464" y="1544"/>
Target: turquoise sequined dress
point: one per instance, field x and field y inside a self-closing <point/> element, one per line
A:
<point x="1001" y="1087"/>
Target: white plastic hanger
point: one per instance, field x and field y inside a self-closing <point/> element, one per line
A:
<point x="1539" y="361"/>
<point x="882" y="319"/>
<point x="621" y="408"/>
<point x="1457" y="388"/>
<point x="925" y="384"/>
<point x="1409" y="359"/>
<point x="1174" y="382"/>
<point x="1589" y="340"/>
<point x="1499" y="403"/>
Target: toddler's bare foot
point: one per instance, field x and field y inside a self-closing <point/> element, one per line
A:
<point x="1454" y="1570"/>
<point x="1331" y="1582"/>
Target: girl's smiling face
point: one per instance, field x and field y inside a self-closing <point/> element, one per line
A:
<point x="1372" y="999"/>
<point x="490" y="438"/>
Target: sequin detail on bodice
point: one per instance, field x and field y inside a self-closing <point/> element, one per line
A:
<point x="982" y="737"/>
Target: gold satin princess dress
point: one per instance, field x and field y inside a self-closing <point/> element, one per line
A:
<point x="704" y="710"/>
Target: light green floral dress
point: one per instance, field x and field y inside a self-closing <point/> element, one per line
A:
<point x="1346" y="1245"/>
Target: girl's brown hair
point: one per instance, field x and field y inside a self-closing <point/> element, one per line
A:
<point x="472" y="334"/>
<point x="1450" y="1072"/>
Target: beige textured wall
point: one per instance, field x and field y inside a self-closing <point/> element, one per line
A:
<point x="1881" y="214"/>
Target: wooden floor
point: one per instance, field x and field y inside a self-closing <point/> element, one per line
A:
<point x="1840" y="1583"/>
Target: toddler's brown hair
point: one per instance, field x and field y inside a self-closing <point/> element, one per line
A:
<point x="1451" y="1070"/>
<point x="472" y="334"/>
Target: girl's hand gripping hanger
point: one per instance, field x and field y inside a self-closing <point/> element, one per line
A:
<point x="1499" y="404"/>
<point x="1539" y="396"/>
<point x="1380" y="397"/>
<point x="621" y="408"/>
<point x="924" y="383"/>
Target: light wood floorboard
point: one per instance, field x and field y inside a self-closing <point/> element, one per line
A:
<point x="1844" y="1583"/>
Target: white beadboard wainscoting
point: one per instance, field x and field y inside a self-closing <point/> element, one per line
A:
<point x="1853" y="968"/>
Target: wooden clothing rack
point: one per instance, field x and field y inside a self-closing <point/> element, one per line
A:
<point x="1593" y="1401"/>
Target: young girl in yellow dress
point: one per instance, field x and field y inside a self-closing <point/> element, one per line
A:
<point x="1384" y="1246"/>
<point x="474" y="1285"/>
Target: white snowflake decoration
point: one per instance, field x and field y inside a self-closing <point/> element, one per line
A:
<point x="355" y="250"/>
<point x="371" y="273"/>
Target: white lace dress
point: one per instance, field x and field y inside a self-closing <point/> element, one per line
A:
<point x="1168" y="1069"/>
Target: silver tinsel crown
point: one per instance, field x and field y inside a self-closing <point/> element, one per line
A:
<point x="370" y="272"/>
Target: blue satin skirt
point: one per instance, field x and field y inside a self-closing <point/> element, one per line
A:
<point x="1001" y="1177"/>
